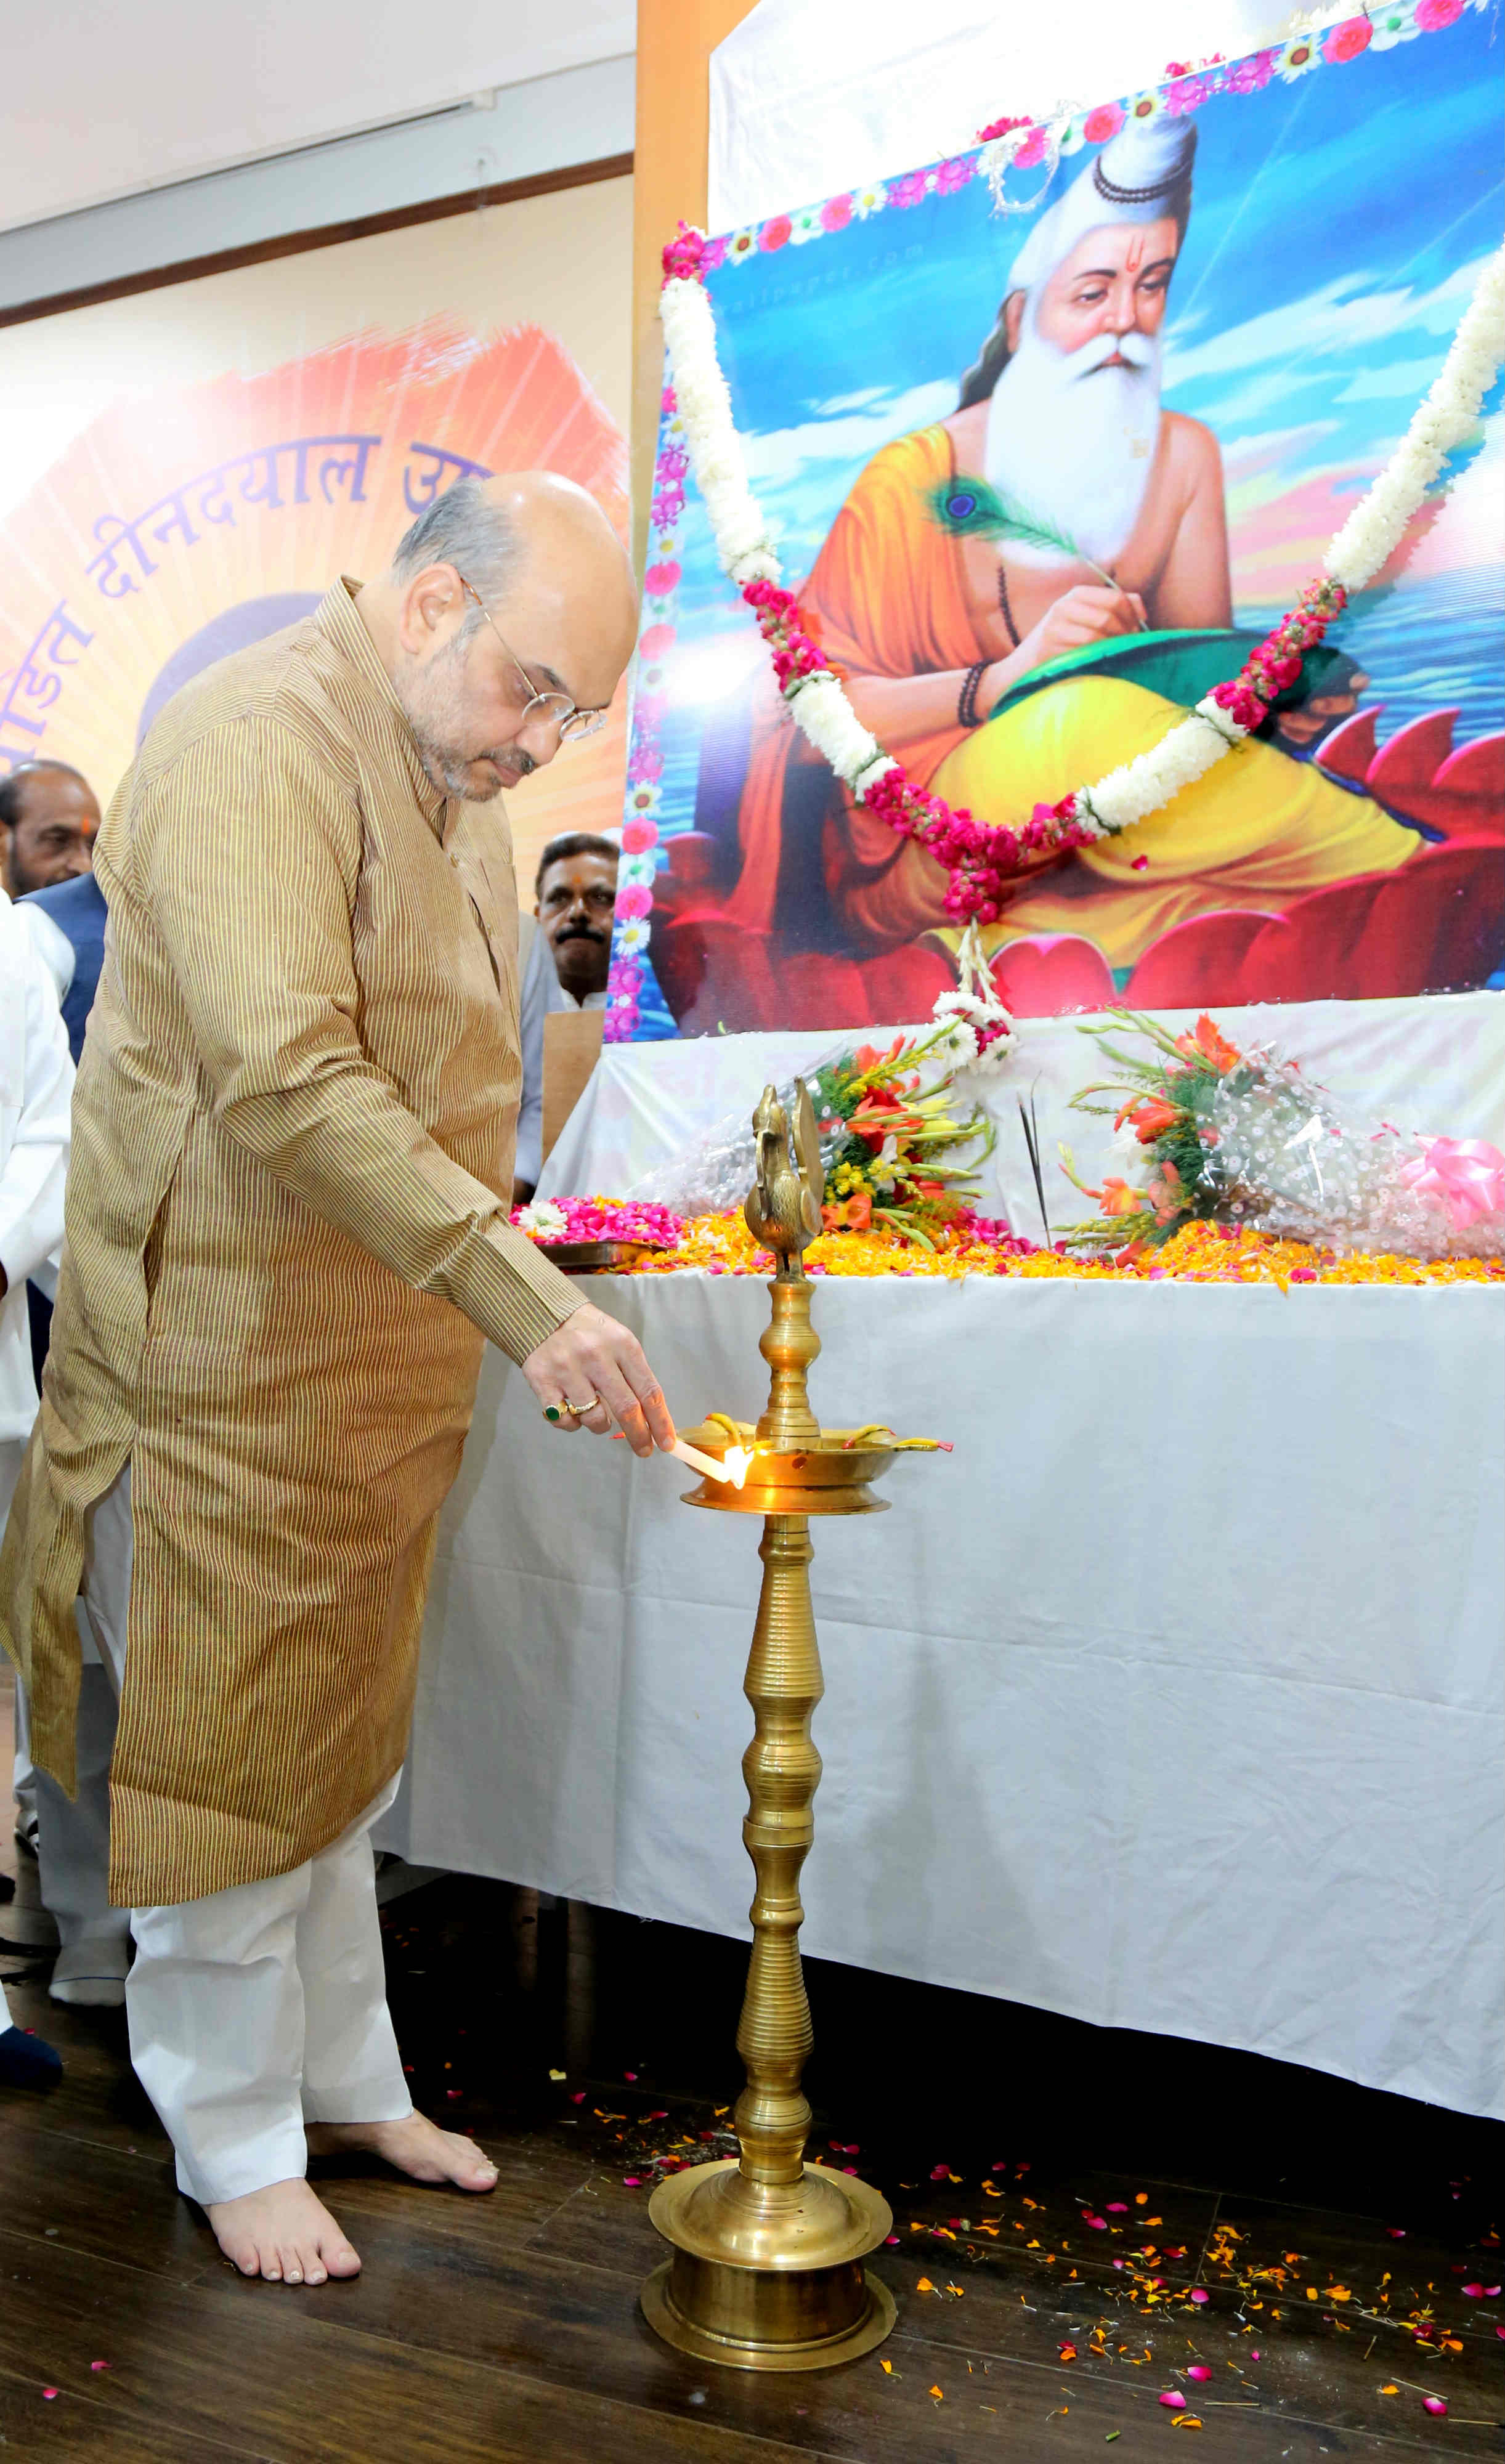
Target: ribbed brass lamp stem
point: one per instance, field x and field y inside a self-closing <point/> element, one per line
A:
<point x="783" y="1770"/>
<point x="788" y="1343"/>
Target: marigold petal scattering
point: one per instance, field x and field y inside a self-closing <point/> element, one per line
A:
<point x="975" y="1244"/>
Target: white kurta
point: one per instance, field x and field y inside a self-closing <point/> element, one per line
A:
<point x="35" y="1091"/>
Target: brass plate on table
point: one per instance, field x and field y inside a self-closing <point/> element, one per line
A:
<point x="594" y="1257"/>
<point x="826" y="1476"/>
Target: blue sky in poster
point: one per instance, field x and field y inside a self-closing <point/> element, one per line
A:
<point x="1336" y="224"/>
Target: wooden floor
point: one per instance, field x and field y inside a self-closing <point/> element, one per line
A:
<point x="1327" y="2225"/>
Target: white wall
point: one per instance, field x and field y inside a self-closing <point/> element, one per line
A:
<point x="811" y="97"/>
<point x="576" y="116"/>
<point x="104" y="99"/>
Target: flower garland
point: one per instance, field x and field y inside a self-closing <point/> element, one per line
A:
<point x="980" y="857"/>
<point x="1018" y="144"/>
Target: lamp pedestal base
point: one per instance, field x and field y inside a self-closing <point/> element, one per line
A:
<point x="769" y="2276"/>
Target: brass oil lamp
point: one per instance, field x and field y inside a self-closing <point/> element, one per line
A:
<point x="766" y="2271"/>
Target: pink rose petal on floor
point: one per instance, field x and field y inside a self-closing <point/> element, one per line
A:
<point x="1499" y="2331"/>
<point x="1198" y="2296"/>
<point x="1173" y="2400"/>
<point x="1118" y="2207"/>
<point x="632" y="2182"/>
<point x="1474" y="2292"/>
<point x="1436" y="2404"/>
<point x="99" y="2366"/>
<point x="1198" y="2370"/>
<point x="1098" y="2224"/>
<point x="1253" y="2357"/>
<point x="1397" y="2232"/>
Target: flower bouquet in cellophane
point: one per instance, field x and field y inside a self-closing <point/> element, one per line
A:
<point x="1208" y="1132"/>
<point x="899" y="1153"/>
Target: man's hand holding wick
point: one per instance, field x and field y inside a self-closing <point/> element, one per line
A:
<point x="593" y="1371"/>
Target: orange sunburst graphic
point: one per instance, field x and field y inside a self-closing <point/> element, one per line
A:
<point x="180" y="525"/>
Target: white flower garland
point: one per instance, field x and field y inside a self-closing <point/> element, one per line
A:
<point x="1139" y="787"/>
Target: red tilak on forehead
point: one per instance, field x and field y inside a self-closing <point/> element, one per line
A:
<point x="1136" y="258"/>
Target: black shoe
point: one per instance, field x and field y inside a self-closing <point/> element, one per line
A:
<point x="25" y="2061"/>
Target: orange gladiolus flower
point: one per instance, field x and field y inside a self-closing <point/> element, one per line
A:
<point x="854" y="1214"/>
<point x="1150" y="1117"/>
<point x="1116" y="1198"/>
<point x="1212" y="1044"/>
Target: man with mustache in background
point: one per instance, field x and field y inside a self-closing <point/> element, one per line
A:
<point x="574" y="899"/>
<point x="947" y="635"/>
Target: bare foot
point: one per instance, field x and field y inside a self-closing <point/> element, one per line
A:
<point x="285" y="2233"/>
<point x="416" y="2146"/>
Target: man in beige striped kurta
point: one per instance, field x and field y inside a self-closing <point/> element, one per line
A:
<point x="287" y="1241"/>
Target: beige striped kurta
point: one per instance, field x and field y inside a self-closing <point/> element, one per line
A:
<point x="286" y="1243"/>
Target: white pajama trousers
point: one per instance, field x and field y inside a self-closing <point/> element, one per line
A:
<point x="255" y="2010"/>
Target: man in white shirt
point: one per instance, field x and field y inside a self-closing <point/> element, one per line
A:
<point x="35" y="1091"/>
<point x="575" y="901"/>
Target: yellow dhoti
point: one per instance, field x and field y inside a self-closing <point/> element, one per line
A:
<point x="1257" y="831"/>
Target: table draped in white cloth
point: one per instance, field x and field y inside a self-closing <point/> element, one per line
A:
<point x="1173" y="1699"/>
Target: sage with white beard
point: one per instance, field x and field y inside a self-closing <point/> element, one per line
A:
<point x="1073" y="438"/>
<point x="1072" y="435"/>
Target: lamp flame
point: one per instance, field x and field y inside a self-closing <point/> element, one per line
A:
<point x="738" y="1462"/>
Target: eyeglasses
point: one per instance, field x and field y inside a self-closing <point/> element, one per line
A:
<point x="574" y="725"/>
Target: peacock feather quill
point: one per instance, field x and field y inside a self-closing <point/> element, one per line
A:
<point x="969" y="508"/>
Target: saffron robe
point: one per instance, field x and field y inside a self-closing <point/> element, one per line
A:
<point x="286" y="1243"/>
<point x="890" y="597"/>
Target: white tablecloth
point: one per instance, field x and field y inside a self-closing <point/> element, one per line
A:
<point x="1173" y="1698"/>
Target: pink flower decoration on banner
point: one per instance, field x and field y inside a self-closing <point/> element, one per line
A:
<point x="1347" y="41"/>
<point x="1433" y="15"/>
<point x="1001" y="128"/>
<point x="1032" y="150"/>
<point x="836" y="213"/>
<point x="667" y="403"/>
<point x="910" y="191"/>
<point x="1253" y="75"/>
<point x="775" y="233"/>
<point x="1187" y="95"/>
<point x="638" y="837"/>
<point x="1467" y="1174"/>
<point x="634" y="900"/>
<point x="1102" y="124"/>
<point x="674" y="463"/>
<point x="645" y="764"/>
<point x="656" y="642"/>
<point x="660" y="578"/>
<point x="713" y="255"/>
<point x="956" y="174"/>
